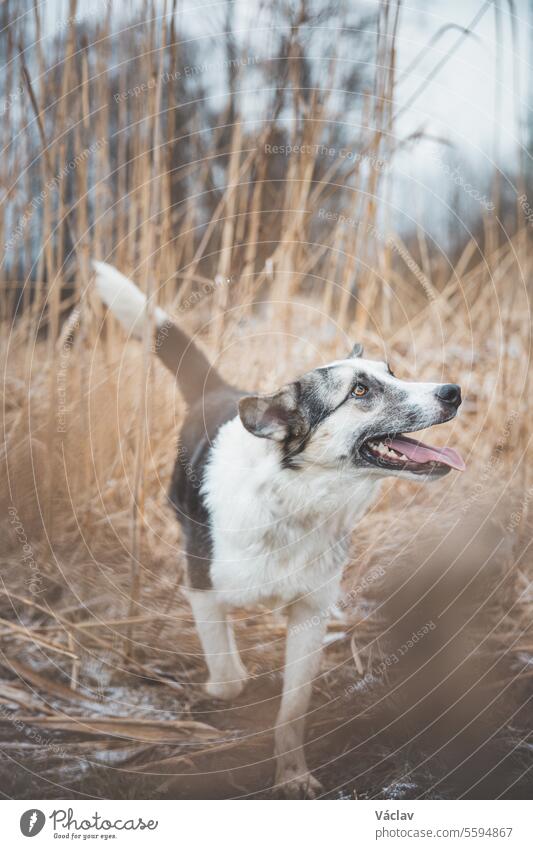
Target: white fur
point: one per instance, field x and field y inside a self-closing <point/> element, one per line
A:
<point x="124" y="299"/>
<point x="277" y="536"/>
<point x="227" y="674"/>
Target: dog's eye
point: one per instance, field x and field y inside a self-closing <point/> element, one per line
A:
<point x="359" y="390"/>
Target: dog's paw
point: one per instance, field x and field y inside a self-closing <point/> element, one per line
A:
<point x="304" y="785"/>
<point x="225" y="690"/>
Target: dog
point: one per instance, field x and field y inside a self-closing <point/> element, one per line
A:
<point x="268" y="490"/>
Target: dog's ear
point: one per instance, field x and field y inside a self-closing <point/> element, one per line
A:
<point x="357" y="351"/>
<point x="275" y="416"/>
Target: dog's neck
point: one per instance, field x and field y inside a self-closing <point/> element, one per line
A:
<point x="254" y="467"/>
<point x="278" y="533"/>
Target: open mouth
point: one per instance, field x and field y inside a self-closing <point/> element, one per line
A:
<point x="399" y="453"/>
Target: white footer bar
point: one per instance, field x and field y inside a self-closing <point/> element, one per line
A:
<point x="266" y="824"/>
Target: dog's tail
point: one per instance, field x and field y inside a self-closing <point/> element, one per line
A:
<point x="190" y="366"/>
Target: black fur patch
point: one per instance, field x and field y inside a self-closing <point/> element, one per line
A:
<point x="191" y="368"/>
<point x="202" y="423"/>
<point x="312" y="412"/>
<point x="314" y="398"/>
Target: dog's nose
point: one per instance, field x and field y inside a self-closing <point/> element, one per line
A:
<point x="450" y="393"/>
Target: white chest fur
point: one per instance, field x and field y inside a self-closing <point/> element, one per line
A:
<point x="278" y="534"/>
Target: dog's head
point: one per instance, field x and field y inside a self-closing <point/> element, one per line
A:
<point x="354" y="412"/>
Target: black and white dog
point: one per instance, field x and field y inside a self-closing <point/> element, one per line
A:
<point x="268" y="489"/>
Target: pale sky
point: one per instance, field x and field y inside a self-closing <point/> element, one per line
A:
<point x="459" y="105"/>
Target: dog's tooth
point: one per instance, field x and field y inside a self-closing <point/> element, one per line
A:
<point x="403" y="457"/>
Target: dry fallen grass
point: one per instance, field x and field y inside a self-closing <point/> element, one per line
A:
<point x="99" y="662"/>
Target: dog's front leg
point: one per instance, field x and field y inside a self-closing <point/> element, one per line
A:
<point x="227" y="675"/>
<point x="305" y="635"/>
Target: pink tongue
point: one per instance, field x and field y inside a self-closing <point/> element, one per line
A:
<point x="421" y="453"/>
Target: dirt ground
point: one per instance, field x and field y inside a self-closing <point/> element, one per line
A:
<point x="422" y="695"/>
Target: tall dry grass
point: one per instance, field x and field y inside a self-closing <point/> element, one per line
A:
<point x="270" y="286"/>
